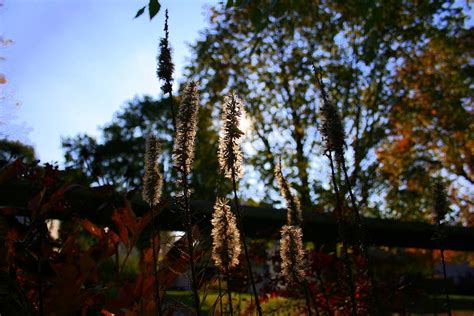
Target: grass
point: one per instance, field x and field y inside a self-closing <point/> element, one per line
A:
<point x="240" y="302"/>
<point x="461" y="304"/>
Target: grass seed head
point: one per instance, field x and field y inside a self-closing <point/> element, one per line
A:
<point x="230" y="153"/>
<point x="186" y="125"/>
<point x="225" y="237"/>
<point x="152" y="180"/>
<point x="292" y="253"/>
<point x="292" y="202"/>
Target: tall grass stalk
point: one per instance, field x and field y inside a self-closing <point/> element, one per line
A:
<point x="230" y="162"/>
<point x="225" y="241"/>
<point x="152" y="184"/>
<point x="165" y="69"/>
<point x="333" y="134"/>
<point x="183" y="156"/>
<point x="291" y="243"/>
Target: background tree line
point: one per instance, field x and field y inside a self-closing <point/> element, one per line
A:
<point x="400" y="72"/>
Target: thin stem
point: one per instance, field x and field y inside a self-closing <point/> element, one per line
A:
<point x="351" y="194"/>
<point x="246" y="253"/>
<point x="189" y="233"/>
<point x="173" y="115"/>
<point x="435" y="306"/>
<point x="220" y="291"/>
<point x="229" y="295"/>
<point x="342" y="236"/>
<point x="448" y="303"/>
<point x="308" y="297"/>
<point x="308" y="302"/>
<point x="155" y="262"/>
<point x="362" y="239"/>
<point x="311" y="296"/>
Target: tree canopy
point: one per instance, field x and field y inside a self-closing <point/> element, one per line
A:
<point x="117" y="158"/>
<point x="399" y="71"/>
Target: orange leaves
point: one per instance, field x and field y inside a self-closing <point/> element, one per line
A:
<point x="403" y="144"/>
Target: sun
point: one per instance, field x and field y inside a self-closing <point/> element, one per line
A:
<point x="245" y="124"/>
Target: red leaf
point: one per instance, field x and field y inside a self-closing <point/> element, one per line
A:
<point x="92" y="228"/>
<point x="11" y="170"/>
<point x="117" y="218"/>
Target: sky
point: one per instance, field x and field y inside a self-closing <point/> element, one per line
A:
<point x="73" y="63"/>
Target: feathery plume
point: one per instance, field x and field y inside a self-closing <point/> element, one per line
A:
<point x="440" y="202"/>
<point x="225" y="237"/>
<point x="292" y="202"/>
<point x="165" y="64"/>
<point x="183" y="151"/>
<point x="292" y="253"/>
<point x="230" y="154"/>
<point x="152" y="180"/>
<point x="183" y="154"/>
<point x="332" y="127"/>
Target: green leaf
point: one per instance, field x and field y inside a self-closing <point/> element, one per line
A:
<point x="153" y="8"/>
<point x="140" y="12"/>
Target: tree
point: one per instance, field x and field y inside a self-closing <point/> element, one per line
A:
<point x="431" y="126"/>
<point x="117" y="158"/>
<point x="14" y="149"/>
<point x="265" y="51"/>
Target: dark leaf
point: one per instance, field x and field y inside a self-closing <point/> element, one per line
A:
<point x="153" y="8"/>
<point x="140" y="12"/>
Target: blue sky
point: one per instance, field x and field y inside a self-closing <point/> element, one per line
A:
<point x="73" y="63"/>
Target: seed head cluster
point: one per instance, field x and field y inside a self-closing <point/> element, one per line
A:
<point x="292" y="253"/>
<point x="332" y="127"/>
<point x="165" y="64"/>
<point x="186" y="121"/>
<point x="230" y="154"/>
<point x="292" y="202"/>
<point x="152" y="180"/>
<point x="225" y="237"/>
<point x="440" y="202"/>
